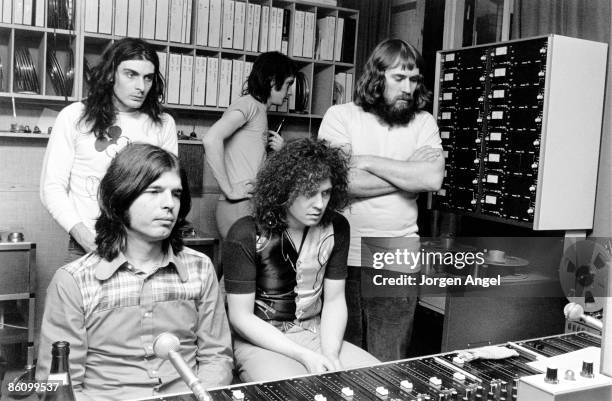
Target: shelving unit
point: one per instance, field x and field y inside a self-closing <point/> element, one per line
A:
<point x="17" y="294"/>
<point x="89" y="46"/>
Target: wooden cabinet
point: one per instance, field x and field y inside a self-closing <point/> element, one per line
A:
<point x="17" y="294"/>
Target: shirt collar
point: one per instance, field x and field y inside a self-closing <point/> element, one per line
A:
<point x="106" y="269"/>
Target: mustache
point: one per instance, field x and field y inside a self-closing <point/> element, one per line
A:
<point x="407" y="98"/>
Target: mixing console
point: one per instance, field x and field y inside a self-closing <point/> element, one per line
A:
<point x="444" y="377"/>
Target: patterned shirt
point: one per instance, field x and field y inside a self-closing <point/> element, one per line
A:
<point x="111" y="312"/>
<point x="287" y="278"/>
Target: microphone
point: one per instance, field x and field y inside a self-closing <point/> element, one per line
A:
<point x="574" y="311"/>
<point x="166" y="346"/>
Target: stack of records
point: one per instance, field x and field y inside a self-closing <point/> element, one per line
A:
<point x="26" y="79"/>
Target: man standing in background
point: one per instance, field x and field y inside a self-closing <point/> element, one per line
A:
<point x="395" y="153"/>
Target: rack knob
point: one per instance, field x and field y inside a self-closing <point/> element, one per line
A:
<point x="551" y="375"/>
<point x="587" y="369"/>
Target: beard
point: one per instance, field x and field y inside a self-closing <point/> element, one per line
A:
<point x="400" y="111"/>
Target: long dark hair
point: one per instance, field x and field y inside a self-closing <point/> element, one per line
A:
<point x="130" y="173"/>
<point x="268" y="67"/>
<point x="298" y="169"/>
<point x="389" y="53"/>
<point x="99" y="110"/>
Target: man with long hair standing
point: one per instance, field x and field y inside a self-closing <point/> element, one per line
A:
<point x="236" y="144"/>
<point x="123" y="106"/>
<point x="396" y="153"/>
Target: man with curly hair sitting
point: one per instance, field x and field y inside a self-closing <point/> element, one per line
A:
<point x="285" y="268"/>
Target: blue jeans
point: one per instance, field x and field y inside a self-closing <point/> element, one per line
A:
<point x="380" y="325"/>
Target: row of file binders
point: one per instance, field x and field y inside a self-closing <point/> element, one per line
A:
<point x="230" y="24"/>
<point x="206" y="81"/>
<point x="23" y="12"/>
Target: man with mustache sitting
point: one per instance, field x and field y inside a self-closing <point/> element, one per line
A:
<point x="396" y="153"/>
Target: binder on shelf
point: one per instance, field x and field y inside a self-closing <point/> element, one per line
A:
<point x="121" y="18"/>
<point x="237" y="79"/>
<point x="186" y="79"/>
<point x="239" y="19"/>
<point x="17" y="11"/>
<point x="27" y="12"/>
<point x="248" y="34"/>
<point x="248" y="66"/>
<point x="162" y="64"/>
<point x="39" y="14"/>
<point x="161" y="19"/>
<point x="225" y="82"/>
<point x="291" y="101"/>
<point x="91" y="15"/>
<point x="283" y="35"/>
<point x="272" y="21"/>
<point x="105" y="16"/>
<point x="263" y="32"/>
<point x="203" y="12"/>
<point x="148" y="18"/>
<point x="339" y="88"/>
<point x="212" y="79"/>
<point x="348" y="44"/>
<point x="214" y="27"/>
<point x="298" y="34"/>
<point x="176" y="20"/>
<point x="338" y="39"/>
<point x="134" y="7"/>
<point x="174" y="78"/>
<point x="228" y="24"/>
<point x="7" y="11"/>
<point x="349" y="87"/>
<point x="199" y="83"/>
<point x="186" y="27"/>
<point x="256" y="26"/>
<point x="309" y="34"/>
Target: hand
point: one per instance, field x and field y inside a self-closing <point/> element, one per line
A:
<point x="335" y="360"/>
<point x="488" y="352"/>
<point x="275" y="141"/>
<point x="425" y="154"/>
<point x="316" y="363"/>
<point x="84" y="237"/>
<point x="240" y="190"/>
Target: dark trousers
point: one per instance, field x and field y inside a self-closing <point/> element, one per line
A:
<point x="380" y="325"/>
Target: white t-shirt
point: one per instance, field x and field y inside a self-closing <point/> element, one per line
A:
<point x="75" y="160"/>
<point x="359" y="132"/>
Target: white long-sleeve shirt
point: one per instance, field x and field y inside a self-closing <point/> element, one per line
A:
<point x="75" y="160"/>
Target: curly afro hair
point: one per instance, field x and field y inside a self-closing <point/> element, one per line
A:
<point x="298" y="169"/>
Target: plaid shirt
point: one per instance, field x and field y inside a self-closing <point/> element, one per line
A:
<point x="111" y="312"/>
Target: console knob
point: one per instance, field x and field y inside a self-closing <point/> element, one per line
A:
<point x="347" y="392"/>
<point x="458" y="361"/>
<point x="406" y="385"/>
<point x="381" y="391"/>
<point x="551" y="375"/>
<point x="458" y="376"/>
<point x="435" y="381"/>
<point x="587" y="369"/>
